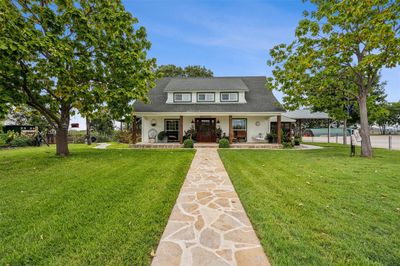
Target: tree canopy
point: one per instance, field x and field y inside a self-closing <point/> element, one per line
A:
<point x="188" y="71"/>
<point x="59" y="57"/>
<point x="339" y="43"/>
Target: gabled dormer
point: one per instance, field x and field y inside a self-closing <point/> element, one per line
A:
<point x="206" y="91"/>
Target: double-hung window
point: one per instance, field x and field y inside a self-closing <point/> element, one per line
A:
<point x="171" y="128"/>
<point x="229" y="97"/>
<point x="182" y="97"/>
<point x="205" y="96"/>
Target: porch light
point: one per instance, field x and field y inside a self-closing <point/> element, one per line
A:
<point x="192" y="121"/>
<point x="217" y="121"/>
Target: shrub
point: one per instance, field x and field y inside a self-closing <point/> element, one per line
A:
<point x="162" y="135"/>
<point x="224" y="143"/>
<point x="271" y="137"/>
<point x="188" y="143"/>
<point x="296" y="141"/>
<point x="22" y="141"/>
<point x="287" y="145"/>
<point x="103" y="138"/>
<point x="123" y="136"/>
<point x="3" y="139"/>
<point x="11" y="135"/>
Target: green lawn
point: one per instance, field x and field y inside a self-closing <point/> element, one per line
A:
<point x="102" y="207"/>
<point x="321" y="207"/>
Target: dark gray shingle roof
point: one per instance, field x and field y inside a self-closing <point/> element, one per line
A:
<point x="306" y="114"/>
<point x="206" y="84"/>
<point x="259" y="99"/>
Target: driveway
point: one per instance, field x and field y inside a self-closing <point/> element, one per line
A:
<point x="380" y="141"/>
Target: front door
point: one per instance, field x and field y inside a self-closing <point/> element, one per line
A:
<point x="205" y="128"/>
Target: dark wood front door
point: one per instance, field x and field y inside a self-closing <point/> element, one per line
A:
<point x="205" y="128"/>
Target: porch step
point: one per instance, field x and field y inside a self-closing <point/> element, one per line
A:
<point x="256" y="146"/>
<point x="156" y="146"/>
<point x="205" y="145"/>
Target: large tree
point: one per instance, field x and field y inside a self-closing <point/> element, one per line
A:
<point x="189" y="71"/>
<point x="60" y="57"/>
<point x="356" y="37"/>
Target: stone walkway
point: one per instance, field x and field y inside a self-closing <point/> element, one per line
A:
<point x="208" y="225"/>
<point x="102" y="145"/>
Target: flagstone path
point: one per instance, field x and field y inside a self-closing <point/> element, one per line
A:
<point x="208" y="225"/>
<point x="102" y="145"/>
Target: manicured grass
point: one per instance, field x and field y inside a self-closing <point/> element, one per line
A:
<point x="321" y="207"/>
<point x="102" y="207"/>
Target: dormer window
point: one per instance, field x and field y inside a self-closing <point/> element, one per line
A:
<point x="206" y="97"/>
<point x="229" y="96"/>
<point x="182" y="97"/>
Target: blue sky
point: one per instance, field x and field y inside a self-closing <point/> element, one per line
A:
<point x="232" y="38"/>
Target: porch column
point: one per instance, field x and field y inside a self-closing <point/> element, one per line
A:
<point x="279" y="129"/>
<point x="134" y="130"/>
<point x="180" y="129"/>
<point x="230" y="129"/>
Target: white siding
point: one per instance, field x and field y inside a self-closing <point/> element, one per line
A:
<point x="252" y="129"/>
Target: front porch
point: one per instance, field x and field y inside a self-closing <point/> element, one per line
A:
<point x="197" y="145"/>
<point x="208" y="128"/>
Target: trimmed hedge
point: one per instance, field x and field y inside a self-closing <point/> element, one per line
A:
<point x="224" y="143"/>
<point x="188" y="143"/>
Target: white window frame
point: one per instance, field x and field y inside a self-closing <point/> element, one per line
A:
<point x="230" y="94"/>
<point x="182" y="97"/>
<point x="212" y="94"/>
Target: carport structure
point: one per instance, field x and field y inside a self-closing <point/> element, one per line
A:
<point x="305" y="119"/>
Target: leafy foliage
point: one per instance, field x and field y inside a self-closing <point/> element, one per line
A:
<point x="161" y="135"/>
<point x="189" y="71"/>
<point x="224" y="143"/>
<point x="102" y="123"/>
<point x="188" y="143"/>
<point x="391" y="116"/>
<point x="59" y="57"/>
<point x="339" y="50"/>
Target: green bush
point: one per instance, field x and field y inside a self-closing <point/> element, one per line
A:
<point x="224" y="143"/>
<point x="103" y="138"/>
<point x="271" y="137"/>
<point x="188" y="143"/>
<point x="162" y="135"/>
<point x="287" y="145"/>
<point x="3" y="139"/>
<point x="123" y="136"/>
<point x="297" y="141"/>
<point x="22" y="141"/>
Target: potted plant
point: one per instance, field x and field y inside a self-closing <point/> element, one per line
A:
<point x="162" y="137"/>
<point x="271" y="137"/>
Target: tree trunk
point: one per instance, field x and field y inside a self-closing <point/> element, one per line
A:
<point x="366" y="148"/>
<point x="88" y="137"/>
<point x="62" y="133"/>
<point x="345" y="132"/>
